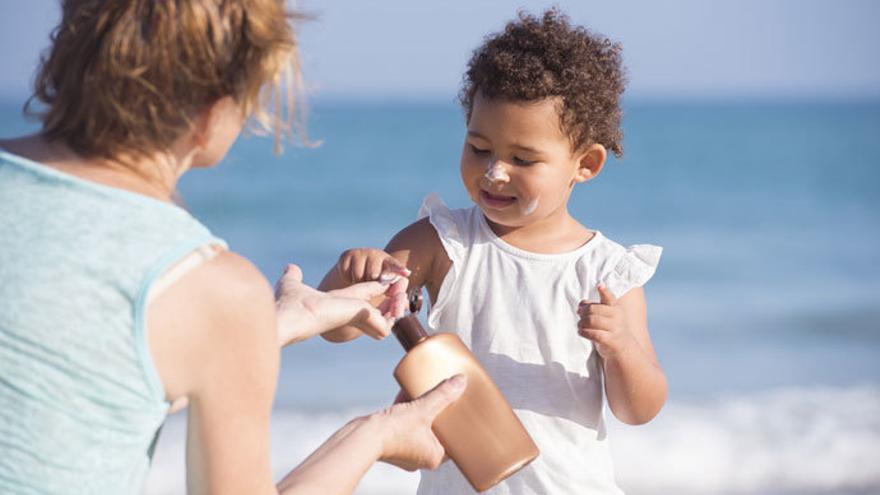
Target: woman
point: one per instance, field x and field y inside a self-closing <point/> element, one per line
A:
<point x="115" y="303"/>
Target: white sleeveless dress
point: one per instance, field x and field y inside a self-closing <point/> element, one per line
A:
<point x="516" y="310"/>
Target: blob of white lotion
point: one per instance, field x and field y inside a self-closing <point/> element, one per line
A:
<point x="530" y="207"/>
<point x="495" y="173"/>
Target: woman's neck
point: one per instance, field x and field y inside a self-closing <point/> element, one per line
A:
<point x="155" y="177"/>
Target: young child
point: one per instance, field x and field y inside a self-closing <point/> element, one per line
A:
<point x="552" y="309"/>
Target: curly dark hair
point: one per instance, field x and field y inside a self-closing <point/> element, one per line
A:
<point x="536" y="58"/>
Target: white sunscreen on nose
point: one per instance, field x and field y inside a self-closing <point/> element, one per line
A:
<point x="530" y="207"/>
<point x="495" y="173"/>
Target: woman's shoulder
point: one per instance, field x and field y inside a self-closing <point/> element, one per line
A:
<point x="216" y="316"/>
<point x="239" y="272"/>
<point x="232" y="290"/>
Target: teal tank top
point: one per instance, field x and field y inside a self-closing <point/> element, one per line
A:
<point x="81" y="403"/>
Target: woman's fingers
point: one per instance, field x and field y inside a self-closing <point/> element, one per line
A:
<point x="333" y="311"/>
<point x="393" y="307"/>
<point x="411" y="444"/>
<point x="363" y="291"/>
<point x="373" y="323"/>
<point x="304" y="311"/>
<point x="400" y="303"/>
<point x="395" y="301"/>
<point x="291" y="275"/>
<point x="370" y="306"/>
<point x="398" y="287"/>
<point x="437" y="399"/>
<point x="391" y="299"/>
<point x="294" y="272"/>
<point x="401" y="397"/>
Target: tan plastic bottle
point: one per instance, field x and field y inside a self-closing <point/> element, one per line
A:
<point x="479" y="431"/>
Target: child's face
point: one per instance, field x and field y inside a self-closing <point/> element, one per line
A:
<point x="518" y="165"/>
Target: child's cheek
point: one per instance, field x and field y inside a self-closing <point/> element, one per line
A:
<point x="530" y="206"/>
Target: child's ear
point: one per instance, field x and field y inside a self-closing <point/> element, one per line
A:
<point x="590" y="163"/>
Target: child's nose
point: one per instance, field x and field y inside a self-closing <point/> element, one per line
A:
<point x="495" y="171"/>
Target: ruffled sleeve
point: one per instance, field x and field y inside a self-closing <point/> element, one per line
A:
<point x="447" y="226"/>
<point x="634" y="269"/>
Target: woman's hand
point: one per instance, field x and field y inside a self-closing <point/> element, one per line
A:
<point x="408" y="441"/>
<point x="304" y="311"/>
<point x="372" y="266"/>
<point x="400" y="435"/>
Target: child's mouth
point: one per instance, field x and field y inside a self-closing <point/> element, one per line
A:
<point x="496" y="201"/>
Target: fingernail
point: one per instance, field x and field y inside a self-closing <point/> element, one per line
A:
<point x="388" y="278"/>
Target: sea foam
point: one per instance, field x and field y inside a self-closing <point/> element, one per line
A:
<point x="795" y="440"/>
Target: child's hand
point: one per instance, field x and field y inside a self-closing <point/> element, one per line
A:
<point x="365" y="264"/>
<point x="604" y="324"/>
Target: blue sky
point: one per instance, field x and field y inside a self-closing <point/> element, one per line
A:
<point x="678" y="48"/>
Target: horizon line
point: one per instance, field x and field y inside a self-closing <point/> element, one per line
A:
<point x="641" y="98"/>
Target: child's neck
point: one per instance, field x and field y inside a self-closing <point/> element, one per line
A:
<point x="557" y="233"/>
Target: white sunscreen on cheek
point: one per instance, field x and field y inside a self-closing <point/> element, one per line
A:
<point x="530" y="207"/>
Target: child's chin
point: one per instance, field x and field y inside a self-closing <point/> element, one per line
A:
<point x="508" y="217"/>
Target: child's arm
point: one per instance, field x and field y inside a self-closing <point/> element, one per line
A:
<point x="634" y="381"/>
<point x="417" y="247"/>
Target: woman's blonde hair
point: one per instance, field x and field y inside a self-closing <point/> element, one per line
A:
<point x="126" y="77"/>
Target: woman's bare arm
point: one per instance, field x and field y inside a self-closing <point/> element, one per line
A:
<point x="214" y="340"/>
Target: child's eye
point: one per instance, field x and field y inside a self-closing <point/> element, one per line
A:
<point x="522" y="161"/>
<point x="477" y="151"/>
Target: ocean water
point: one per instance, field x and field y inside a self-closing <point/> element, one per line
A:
<point x="765" y="311"/>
